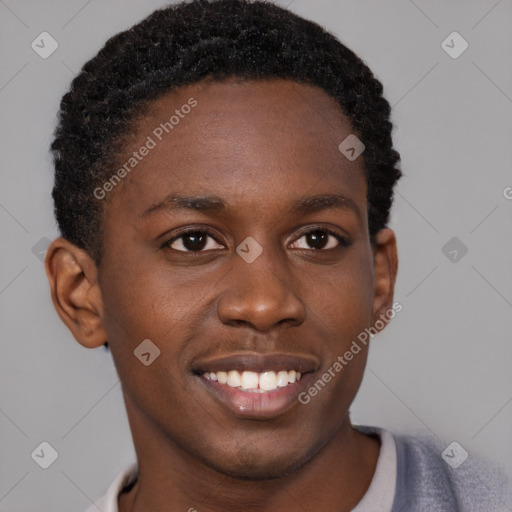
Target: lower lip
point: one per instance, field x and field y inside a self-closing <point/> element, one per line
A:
<point x="258" y="405"/>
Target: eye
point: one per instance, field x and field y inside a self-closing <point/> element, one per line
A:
<point x="201" y="240"/>
<point x="193" y="241"/>
<point x="319" y="239"/>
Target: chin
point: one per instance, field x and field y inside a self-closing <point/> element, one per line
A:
<point x="248" y="464"/>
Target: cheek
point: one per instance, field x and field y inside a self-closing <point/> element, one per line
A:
<point x="153" y="303"/>
<point x="341" y="298"/>
<point x="142" y="305"/>
<point x="348" y="313"/>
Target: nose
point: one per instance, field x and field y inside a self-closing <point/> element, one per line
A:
<point x="260" y="295"/>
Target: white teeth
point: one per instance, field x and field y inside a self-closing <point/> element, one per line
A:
<point x="249" y="380"/>
<point x="254" y="381"/>
<point x="234" y="379"/>
<point x="268" y="381"/>
<point x="282" y="378"/>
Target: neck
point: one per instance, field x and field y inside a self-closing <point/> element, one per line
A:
<point x="335" y="478"/>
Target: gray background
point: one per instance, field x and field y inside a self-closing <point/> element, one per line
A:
<point x="442" y="366"/>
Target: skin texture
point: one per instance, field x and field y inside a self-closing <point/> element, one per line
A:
<point x="259" y="146"/>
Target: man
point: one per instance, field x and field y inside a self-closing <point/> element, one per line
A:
<point x="224" y="175"/>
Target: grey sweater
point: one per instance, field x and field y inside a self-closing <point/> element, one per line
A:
<point x="426" y="483"/>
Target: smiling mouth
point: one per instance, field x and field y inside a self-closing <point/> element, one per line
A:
<point x="255" y="382"/>
<point x="254" y="385"/>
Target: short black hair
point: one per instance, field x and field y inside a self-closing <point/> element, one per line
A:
<point x="183" y="44"/>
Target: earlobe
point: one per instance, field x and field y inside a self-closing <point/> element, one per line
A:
<point x="386" y="265"/>
<point x="75" y="292"/>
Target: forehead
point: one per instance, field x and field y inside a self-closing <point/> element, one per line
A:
<point x="234" y="139"/>
<point x="255" y="106"/>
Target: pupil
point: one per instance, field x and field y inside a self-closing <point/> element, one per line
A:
<point x="194" y="241"/>
<point x="317" y="239"/>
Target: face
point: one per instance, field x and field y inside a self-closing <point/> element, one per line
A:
<point x="239" y="246"/>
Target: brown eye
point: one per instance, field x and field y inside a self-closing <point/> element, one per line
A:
<point x="193" y="241"/>
<point x="319" y="239"/>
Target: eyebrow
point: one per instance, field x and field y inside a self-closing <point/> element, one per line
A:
<point x="213" y="204"/>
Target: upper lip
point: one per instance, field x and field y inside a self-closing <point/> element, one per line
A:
<point x="257" y="362"/>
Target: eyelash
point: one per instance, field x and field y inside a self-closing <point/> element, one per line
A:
<point x="343" y="242"/>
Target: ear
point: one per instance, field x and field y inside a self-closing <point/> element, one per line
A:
<point x="385" y="260"/>
<point x="73" y="278"/>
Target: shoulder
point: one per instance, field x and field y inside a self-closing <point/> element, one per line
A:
<point x="436" y="477"/>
